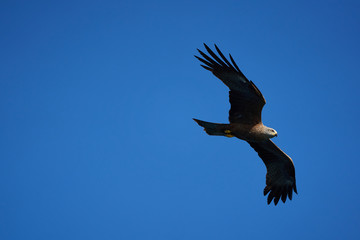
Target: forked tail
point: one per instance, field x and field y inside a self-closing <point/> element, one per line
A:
<point x="216" y="129"/>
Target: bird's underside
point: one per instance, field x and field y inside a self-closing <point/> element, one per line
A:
<point x="246" y="103"/>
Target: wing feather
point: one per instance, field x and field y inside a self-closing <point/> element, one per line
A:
<point x="234" y="63"/>
<point x="245" y="98"/>
<point x="223" y="57"/>
<point x="215" y="57"/>
<point x="208" y="58"/>
<point x="207" y="68"/>
<point x="205" y="62"/>
<point x="280" y="176"/>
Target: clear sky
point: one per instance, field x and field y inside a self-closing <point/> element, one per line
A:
<point x="97" y="139"/>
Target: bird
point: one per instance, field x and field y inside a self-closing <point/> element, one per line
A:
<point x="245" y="123"/>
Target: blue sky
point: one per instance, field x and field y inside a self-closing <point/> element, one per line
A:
<point x="97" y="139"/>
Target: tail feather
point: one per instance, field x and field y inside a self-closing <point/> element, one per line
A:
<point x="216" y="129"/>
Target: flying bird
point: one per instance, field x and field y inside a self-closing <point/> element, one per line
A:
<point x="247" y="102"/>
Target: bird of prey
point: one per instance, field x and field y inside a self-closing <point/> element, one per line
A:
<point x="246" y="103"/>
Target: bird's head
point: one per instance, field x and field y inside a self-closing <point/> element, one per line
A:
<point x="271" y="132"/>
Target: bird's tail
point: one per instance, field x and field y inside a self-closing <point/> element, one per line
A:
<point x="216" y="129"/>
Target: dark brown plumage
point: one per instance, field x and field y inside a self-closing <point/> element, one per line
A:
<point x="246" y="103"/>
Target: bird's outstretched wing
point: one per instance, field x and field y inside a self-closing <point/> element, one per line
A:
<point x="245" y="98"/>
<point x="280" y="176"/>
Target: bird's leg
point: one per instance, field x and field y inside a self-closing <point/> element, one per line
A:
<point x="228" y="133"/>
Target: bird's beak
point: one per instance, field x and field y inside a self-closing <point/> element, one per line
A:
<point x="275" y="134"/>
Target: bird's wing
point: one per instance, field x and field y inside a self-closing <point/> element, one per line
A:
<point x="245" y="98"/>
<point x="280" y="176"/>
